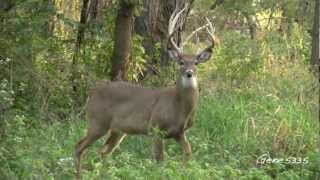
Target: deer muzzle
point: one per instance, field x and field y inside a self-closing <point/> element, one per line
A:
<point x="189" y="73"/>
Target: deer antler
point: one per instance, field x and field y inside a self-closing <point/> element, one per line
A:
<point x="193" y="33"/>
<point x="210" y="30"/>
<point x="208" y="26"/>
<point x="172" y="27"/>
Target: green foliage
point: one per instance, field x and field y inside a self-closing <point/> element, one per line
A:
<point x="234" y="126"/>
<point x="34" y="55"/>
<point x="164" y="74"/>
<point x="6" y="95"/>
<point x="137" y="62"/>
<point x="237" y="60"/>
<point x="282" y="47"/>
<point x="257" y="96"/>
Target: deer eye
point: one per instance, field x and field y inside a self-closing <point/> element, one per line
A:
<point x="181" y="63"/>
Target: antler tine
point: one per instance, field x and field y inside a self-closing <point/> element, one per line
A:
<point x="172" y="26"/>
<point x="210" y="30"/>
<point x="206" y="26"/>
<point x="172" y="17"/>
<point x="193" y="33"/>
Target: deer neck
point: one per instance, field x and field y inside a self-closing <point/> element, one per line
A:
<point x="187" y="92"/>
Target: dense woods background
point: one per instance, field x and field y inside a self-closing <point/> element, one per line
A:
<point x="259" y="91"/>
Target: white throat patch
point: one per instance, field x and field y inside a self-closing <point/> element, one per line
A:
<point x="189" y="82"/>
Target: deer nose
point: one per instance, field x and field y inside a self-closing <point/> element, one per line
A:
<point x="189" y="73"/>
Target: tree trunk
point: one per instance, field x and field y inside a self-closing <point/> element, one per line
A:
<point x="286" y="23"/>
<point x="94" y="9"/>
<point x="252" y="25"/>
<point x="6" y="5"/>
<point x="50" y="25"/>
<point x="315" y="56"/>
<point x="315" y="52"/>
<point x="153" y="26"/>
<point x="81" y="28"/>
<point x="80" y="37"/>
<point x="122" y="41"/>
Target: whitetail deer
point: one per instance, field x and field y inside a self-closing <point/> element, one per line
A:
<point x="122" y="108"/>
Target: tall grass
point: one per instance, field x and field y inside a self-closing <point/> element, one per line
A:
<point x="274" y="113"/>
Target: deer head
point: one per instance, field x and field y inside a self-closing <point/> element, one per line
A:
<point x="187" y="74"/>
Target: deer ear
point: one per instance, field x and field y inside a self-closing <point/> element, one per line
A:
<point x="173" y="54"/>
<point x="204" y="55"/>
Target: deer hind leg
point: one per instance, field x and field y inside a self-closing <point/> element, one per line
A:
<point x="158" y="149"/>
<point x="85" y="142"/>
<point x="112" y="142"/>
<point x="184" y="143"/>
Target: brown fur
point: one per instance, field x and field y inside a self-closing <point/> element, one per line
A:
<point x="123" y="108"/>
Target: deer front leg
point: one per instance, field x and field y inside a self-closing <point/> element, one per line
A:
<point x="113" y="141"/>
<point x="182" y="140"/>
<point x="158" y="149"/>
